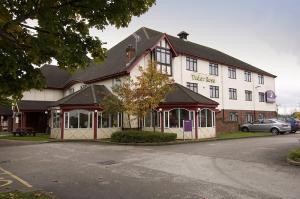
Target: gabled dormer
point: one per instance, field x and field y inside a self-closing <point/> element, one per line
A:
<point x="163" y="53"/>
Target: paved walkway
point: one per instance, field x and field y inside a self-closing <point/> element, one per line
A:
<point x="244" y="168"/>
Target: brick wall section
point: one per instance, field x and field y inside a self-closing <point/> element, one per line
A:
<point x="224" y="125"/>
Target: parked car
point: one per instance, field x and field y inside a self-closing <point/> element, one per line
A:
<point x="295" y="124"/>
<point x="270" y="125"/>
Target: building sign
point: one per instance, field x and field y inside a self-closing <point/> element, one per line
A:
<point x="270" y="96"/>
<point x="187" y="125"/>
<point x="203" y="78"/>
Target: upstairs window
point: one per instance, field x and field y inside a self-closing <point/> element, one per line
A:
<point x="232" y="73"/>
<point x="83" y="86"/>
<point x="163" y="57"/>
<point x="191" y="64"/>
<point x="213" y="69"/>
<point x="261" y="97"/>
<point x="192" y="86"/>
<point x="232" y="94"/>
<point x="214" y="91"/>
<point x="261" y="79"/>
<point x="248" y="95"/>
<point x="247" y="76"/>
<point x="71" y="90"/>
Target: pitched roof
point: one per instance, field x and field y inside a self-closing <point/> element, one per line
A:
<point x="54" y="76"/>
<point x="90" y="95"/>
<point x="115" y="63"/>
<point x="181" y="94"/>
<point x="33" y="105"/>
<point x="210" y="54"/>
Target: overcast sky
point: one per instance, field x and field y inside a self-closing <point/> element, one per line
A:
<point x="264" y="33"/>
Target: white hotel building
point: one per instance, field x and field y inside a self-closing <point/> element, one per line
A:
<point x="214" y="90"/>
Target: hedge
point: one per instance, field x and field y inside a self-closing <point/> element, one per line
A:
<point x="142" y="137"/>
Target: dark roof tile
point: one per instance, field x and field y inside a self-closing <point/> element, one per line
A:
<point x="181" y="94"/>
<point x="90" y="95"/>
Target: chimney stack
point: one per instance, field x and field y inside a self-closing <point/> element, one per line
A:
<point x="183" y="35"/>
<point x="130" y="53"/>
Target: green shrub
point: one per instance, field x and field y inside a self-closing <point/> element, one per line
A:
<point x="142" y="137"/>
<point x="294" y="155"/>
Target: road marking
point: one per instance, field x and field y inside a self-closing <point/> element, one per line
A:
<point x="26" y="184"/>
<point x="6" y="182"/>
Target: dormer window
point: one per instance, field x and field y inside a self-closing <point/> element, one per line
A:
<point x="163" y="58"/>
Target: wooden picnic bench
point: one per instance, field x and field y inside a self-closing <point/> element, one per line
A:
<point x="24" y="131"/>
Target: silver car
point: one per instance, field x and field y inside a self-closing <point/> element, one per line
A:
<point x="271" y="125"/>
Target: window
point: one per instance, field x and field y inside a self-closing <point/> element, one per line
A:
<point x="232" y="94"/>
<point x="247" y="76"/>
<point x="261" y="79"/>
<point x="233" y="116"/>
<point x="248" y="95"/>
<point x="232" y="73"/>
<point x="191" y="64"/>
<point x="261" y="97"/>
<point x="192" y="86"/>
<point x="71" y="90"/>
<point x="163" y="59"/>
<point x="214" y="91"/>
<point x="83" y="86"/>
<point x="148" y="119"/>
<point x="213" y="69"/>
<point x="206" y="118"/>
<point x="177" y="116"/>
<point x="174" y="118"/>
<point x="56" y="119"/>
<point x="107" y="120"/>
<point x="249" y="117"/>
<point x="78" y="119"/>
<point x="261" y="116"/>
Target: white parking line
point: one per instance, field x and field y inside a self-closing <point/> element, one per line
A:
<point x="26" y="184"/>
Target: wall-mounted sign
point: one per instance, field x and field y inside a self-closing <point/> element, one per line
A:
<point x="270" y="96"/>
<point x="187" y="125"/>
<point x="203" y="78"/>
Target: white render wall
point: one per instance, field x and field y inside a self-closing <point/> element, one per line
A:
<point x="182" y="76"/>
<point x="43" y="95"/>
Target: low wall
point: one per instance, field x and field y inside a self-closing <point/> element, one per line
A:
<point x="55" y="133"/>
<point x="103" y="133"/>
<point x="208" y="132"/>
<point x="226" y="126"/>
<point x="79" y="134"/>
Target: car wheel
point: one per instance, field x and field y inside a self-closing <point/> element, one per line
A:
<point x="245" y="129"/>
<point x="274" y="131"/>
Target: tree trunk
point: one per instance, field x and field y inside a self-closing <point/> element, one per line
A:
<point x="129" y="122"/>
<point x="153" y="120"/>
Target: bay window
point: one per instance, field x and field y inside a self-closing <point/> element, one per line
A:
<point x="109" y="120"/>
<point x="206" y="118"/>
<point x="175" y="117"/>
<point x="78" y="119"/>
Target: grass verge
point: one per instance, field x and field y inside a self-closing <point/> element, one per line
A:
<point x="236" y="135"/>
<point x="25" y="195"/>
<point x="38" y="137"/>
<point x="294" y="155"/>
